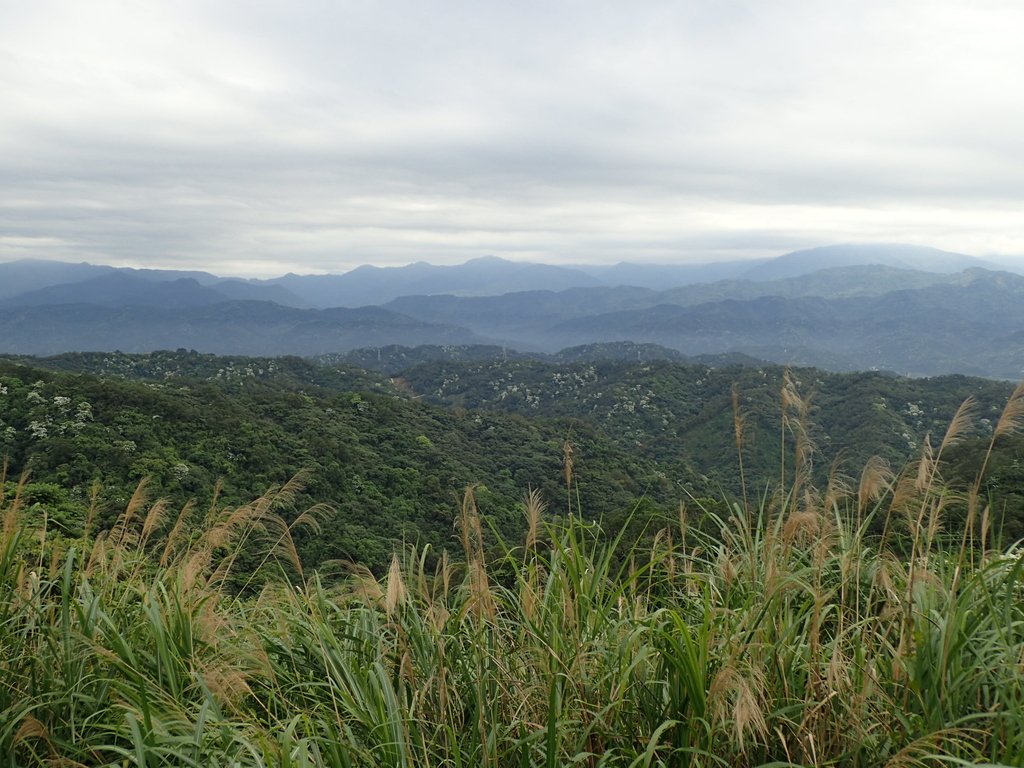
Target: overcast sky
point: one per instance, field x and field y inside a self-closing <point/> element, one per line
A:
<point x="260" y="137"/>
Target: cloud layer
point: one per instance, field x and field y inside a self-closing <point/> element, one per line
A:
<point x="261" y="137"/>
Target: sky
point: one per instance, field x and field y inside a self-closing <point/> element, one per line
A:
<point x="260" y="137"/>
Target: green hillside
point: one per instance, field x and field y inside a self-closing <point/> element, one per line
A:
<point x="682" y="414"/>
<point x="392" y="467"/>
<point x="392" y="455"/>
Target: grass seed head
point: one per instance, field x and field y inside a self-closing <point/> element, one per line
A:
<point x="396" y="592"/>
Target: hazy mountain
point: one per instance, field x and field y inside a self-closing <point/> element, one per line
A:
<point x="245" y="290"/>
<point x="163" y="275"/>
<point x="519" y="316"/>
<point x="842" y="318"/>
<point x="829" y="283"/>
<point x="124" y="288"/>
<point x="795" y="264"/>
<point x="32" y="274"/>
<point x="119" y="289"/>
<point x="490" y="276"/>
<point x="719" y="326"/>
<point x="479" y="277"/>
<point x="661" y="276"/>
<point x="915" y="257"/>
<point x="25" y="275"/>
<point x="245" y="327"/>
<point x="964" y="326"/>
<point x="858" y="319"/>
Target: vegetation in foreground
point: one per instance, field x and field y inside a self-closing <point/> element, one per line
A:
<point x="789" y="636"/>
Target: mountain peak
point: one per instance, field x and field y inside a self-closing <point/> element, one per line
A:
<point x="902" y="256"/>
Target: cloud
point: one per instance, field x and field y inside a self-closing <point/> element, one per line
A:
<point x="247" y="138"/>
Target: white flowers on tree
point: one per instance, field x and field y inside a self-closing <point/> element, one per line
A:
<point x="57" y="415"/>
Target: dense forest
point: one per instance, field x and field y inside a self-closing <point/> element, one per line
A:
<point x="391" y="456"/>
<point x="390" y="466"/>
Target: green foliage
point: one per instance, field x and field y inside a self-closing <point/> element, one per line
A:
<point x="680" y="415"/>
<point x="387" y="464"/>
<point x="653" y="433"/>
<point x="786" y="637"/>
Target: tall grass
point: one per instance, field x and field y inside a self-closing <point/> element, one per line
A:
<point x="787" y="635"/>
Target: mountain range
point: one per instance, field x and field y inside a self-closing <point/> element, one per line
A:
<point x="485" y="276"/>
<point x="908" y="309"/>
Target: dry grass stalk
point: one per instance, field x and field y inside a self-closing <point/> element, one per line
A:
<point x="481" y="599"/>
<point x="936" y="509"/>
<point x="120" y="533"/>
<point x="986" y="523"/>
<point x="796" y="421"/>
<point x="178" y="531"/>
<point x="726" y="568"/>
<point x="313" y="518"/>
<point x="285" y="547"/>
<point x="875" y="481"/>
<point x="802" y="525"/>
<point x="534" y="508"/>
<point x="363" y="585"/>
<point x="97" y="553"/>
<point x="739" y="423"/>
<point x="437" y="617"/>
<point x="154" y="519"/>
<point x="905" y="494"/>
<point x="838" y="487"/>
<point x="738" y="698"/>
<point x="528" y="598"/>
<point x="925" y="466"/>
<point x="396" y="593"/>
<point x="568" y="469"/>
<point x="803" y="457"/>
<point x="11" y="514"/>
<point x="470" y="527"/>
<point x="1012" y="418"/>
<point x="958" y="427"/>
<point x="195" y="568"/>
<point x="228" y="683"/>
<point x="213" y="511"/>
<point x="212" y="627"/>
<point x="791" y="400"/>
<point x="33" y="729"/>
<point x="93" y="511"/>
<point x="444" y="572"/>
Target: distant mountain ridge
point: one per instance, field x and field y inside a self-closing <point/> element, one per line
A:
<point x="110" y="287"/>
<point x="237" y="327"/>
<point x="118" y="289"/>
<point x="367" y="285"/>
<point x="528" y="308"/>
<point x="912" y="257"/>
<point x="834" y="312"/>
<point x="966" y="325"/>
<point x="491" y="276"/>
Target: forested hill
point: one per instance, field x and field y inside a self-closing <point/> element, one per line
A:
<point x="228" y="371"/>
<point x="682" y="414"/>
<point x="392" y="467"/>
<point x="392" y="456"/>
